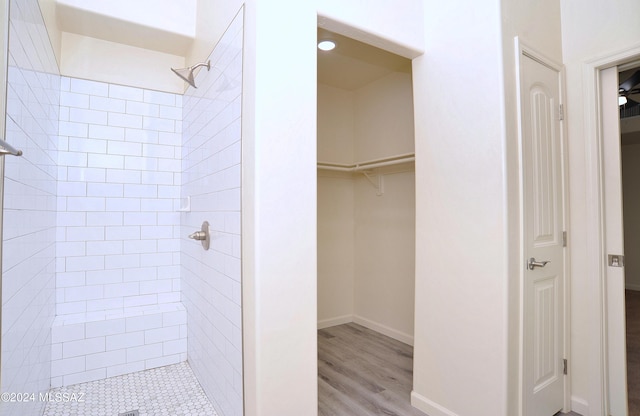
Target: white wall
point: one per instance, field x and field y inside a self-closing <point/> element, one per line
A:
<point x="590" y="30"/>
<point x="279" y="242"/>
<point x="336" y="257"/>
<point x="336" y="126"/>
<point x="178" y="18"/>
<point x="212" y="19"/>
<point x="631" y="210"/>
<point x="385" y="254"/>
<point x="461" y="218"/>
<point x="101" y="60"/>
<point x="384" y="118"/>
<point x="29" y="237"/>
<point x="211" y="177"/>
<point x="385" y="224"/>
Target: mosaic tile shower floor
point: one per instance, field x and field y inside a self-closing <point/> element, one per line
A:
<point x="166" y="391"/>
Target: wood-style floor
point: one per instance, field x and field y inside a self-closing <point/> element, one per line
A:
<point x="632" y="299"/>
<point x="361" y="373"/>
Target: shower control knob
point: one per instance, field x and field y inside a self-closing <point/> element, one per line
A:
<point x="202" y="235"/>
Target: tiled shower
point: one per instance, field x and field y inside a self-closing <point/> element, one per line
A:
<point x="99" y="278"/>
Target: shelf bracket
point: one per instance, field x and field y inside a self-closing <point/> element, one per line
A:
<point x="377" y="183"/>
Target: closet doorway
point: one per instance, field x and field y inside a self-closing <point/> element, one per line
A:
<point x="366" y="229"/>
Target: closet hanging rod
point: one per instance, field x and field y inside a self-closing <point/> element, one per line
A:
<point x="327" y="166"/>
<point x="365" y="166"/>
<point x="369" y="164"/>
<point x="7" y="149"/>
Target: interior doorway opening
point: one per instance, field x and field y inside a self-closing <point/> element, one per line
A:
<point x="629" y="103"/>
<point x="366" y="225"/>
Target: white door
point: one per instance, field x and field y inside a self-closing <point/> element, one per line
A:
<point x="614" y="244"/>
<point x="543" y="285"/>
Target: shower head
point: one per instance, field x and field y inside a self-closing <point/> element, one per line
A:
<point x="187" y="73"/>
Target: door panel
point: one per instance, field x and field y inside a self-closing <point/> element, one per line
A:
<point x="543" y="286"/>
<point x="544" y="350"/>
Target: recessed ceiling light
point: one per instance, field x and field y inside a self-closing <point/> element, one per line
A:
<point x="326" y="45"/>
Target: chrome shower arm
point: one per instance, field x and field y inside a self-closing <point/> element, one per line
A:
<point x="207" y="64"/>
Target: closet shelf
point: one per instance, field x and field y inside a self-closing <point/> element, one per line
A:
<point x="369" y="164"/>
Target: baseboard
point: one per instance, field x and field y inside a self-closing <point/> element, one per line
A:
<point x="431" y="408"/>
<point x="384" y="330"/>
<point x="631" y="286"/>
<point x="579" y="405"/>
<point x="326" y="323"/>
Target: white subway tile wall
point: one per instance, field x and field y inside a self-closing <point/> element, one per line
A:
<point x="92" y="346"/>
<point x="211" y="280"/>
<point x="118" y="273"/>
<point x="118" y="192"/>
<point x="29" y="235"/>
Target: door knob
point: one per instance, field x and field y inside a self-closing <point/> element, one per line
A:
<point x="202" y="235"/>
<point x="532" y="263"/>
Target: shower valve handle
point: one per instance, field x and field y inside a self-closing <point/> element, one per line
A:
<point x="202" y="235"/>
<point x="198" y="235"/>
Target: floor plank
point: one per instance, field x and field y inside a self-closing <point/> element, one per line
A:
<point x="362" y="373"/>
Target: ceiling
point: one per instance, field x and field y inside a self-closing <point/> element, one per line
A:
<point x="353" y="64"/>
<point x="624" y="75"/>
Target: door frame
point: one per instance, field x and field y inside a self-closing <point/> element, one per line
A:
<point x="595" y="224"/>
<point x="522" y="50"/>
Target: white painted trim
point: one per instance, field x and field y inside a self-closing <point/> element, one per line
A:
<point x="383" y="329"/>
<point x="367" y="323"/>
<point x="522" y="49"/>
<point x="431" y="408"/>
<point x="579" y="405"/>
<point x="594" y="231"/>
<point x="630" y="286"/>
<point x="520" y="372"/>
<point x="596" y="250"/>
<point x="338" y="320"/>
<point x="567" y="252"/>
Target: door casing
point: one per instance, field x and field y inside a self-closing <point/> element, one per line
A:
<point x="614" y="277"/>
<point x="599" y="369"/>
